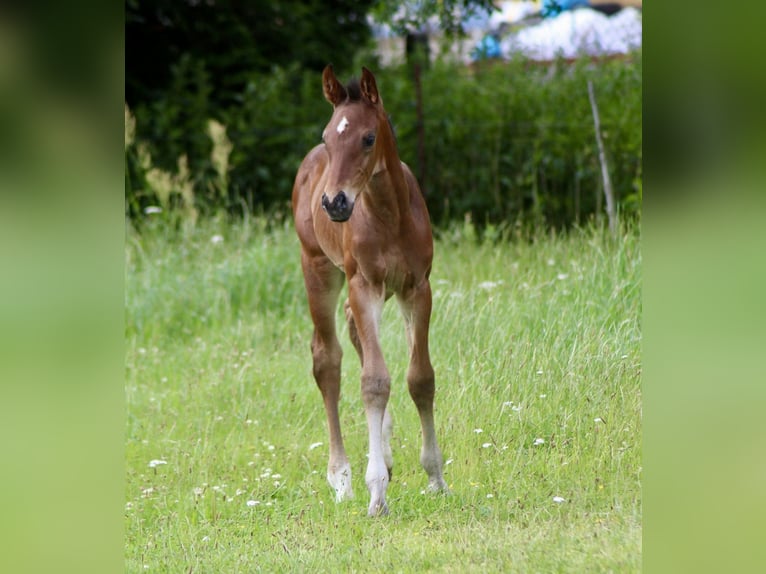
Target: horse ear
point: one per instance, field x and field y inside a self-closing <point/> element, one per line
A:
<point x="369" y="87"/>
<point x="334" y="92"/>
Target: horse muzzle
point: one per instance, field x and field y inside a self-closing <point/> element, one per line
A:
<point x="340" y="208"/>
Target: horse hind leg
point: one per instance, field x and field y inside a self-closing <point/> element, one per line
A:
<point x="420" y="381"/>
<point x="353" y="334"/>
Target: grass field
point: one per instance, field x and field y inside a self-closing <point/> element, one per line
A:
<point x="536" y="346"/>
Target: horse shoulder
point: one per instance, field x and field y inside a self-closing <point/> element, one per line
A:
<point x="309" y="173"/>
<point x="421" y="221"/>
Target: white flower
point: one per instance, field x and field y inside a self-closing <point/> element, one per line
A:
<point x="539" y="441"/>
<point x="156" y="462"/>
<point x="314" y="445"/>
<point x="478" y="431"/>
<point x="448" y="461"/>
<point x="490" y="495"/>
<point x="516" y="408"/>
<point x="543" y="396"/>
<point x="558" y="499"/>
<point x="562" y="276"/>
<point x="253" y="502"/>
<point x="486" y="445"/>
<point x="152" y="209"/>
<point x="598" y="420"/>
<point x="216" y="239"/>
<point x="488" y="284"/>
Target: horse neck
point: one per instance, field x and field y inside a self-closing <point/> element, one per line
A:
<point x="389" y="186"/>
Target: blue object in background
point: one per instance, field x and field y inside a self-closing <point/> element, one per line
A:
<point x="488" y="47"/>
<point x="555" y="7"/>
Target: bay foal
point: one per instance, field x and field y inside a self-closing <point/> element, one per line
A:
<point x="359" y="212"/>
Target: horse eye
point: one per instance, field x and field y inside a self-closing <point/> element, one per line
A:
<point x="368" y="140"/>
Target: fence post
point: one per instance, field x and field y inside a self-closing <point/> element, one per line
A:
<point x="608" y="193"/>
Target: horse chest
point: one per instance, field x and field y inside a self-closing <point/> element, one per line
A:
<point x="390" y="268"/>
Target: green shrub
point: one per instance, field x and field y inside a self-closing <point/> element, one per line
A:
<point x="506" y="142"/>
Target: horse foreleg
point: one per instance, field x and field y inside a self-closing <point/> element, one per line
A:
<point x="366" y="302"/>
<point x="387" y="423"/>
<point x="323" y="284"/>
<point x="416" y="309"/>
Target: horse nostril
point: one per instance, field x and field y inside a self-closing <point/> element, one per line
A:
<point x="325" y="202"/>
<point x="340" y="201"/>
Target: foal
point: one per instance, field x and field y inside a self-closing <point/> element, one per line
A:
<point x="359" y="212"/>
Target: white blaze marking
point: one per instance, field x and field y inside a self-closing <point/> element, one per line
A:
<point x="342" y="125"/>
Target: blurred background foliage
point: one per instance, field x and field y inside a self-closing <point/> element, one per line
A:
<point x="504" y="141"/>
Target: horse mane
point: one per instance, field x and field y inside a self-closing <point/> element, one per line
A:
<point x="354" y="90"/>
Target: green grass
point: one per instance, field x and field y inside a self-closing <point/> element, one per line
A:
<point x="530" y="340"/>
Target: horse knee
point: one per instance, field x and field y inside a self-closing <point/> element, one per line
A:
<point x="376" y="390"/>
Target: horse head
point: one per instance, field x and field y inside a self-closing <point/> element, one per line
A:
<point x="351" y="139"/>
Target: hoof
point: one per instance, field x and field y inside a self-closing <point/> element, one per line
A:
<point x="437" y="485"/>
<point x="376" y="510"/>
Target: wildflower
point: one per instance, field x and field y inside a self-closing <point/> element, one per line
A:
<point x="488" y="284"/>
<point x="216" y="239"/>
<point x="152" y="209"/>
<point x="516" y="408"/>
<point x="253" y="502"/>
<point x="562" y="276"/>
<point x="486" y="445"/>
<point x="490" y="495"/>
<point x="314" y="445"/>
<point x="539" y="441"/>
<point x="156" y="462"/>
<point x="478" y="431"/>
<point x="558" y="499"/>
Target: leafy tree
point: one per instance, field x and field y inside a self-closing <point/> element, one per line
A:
<point x="234" y="38"/>
<point x="409" y="17"/>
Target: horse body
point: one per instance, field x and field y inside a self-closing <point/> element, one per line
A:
<point x="359" y="213"/>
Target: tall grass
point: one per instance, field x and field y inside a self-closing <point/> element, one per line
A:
<point x="536" y="347"/>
